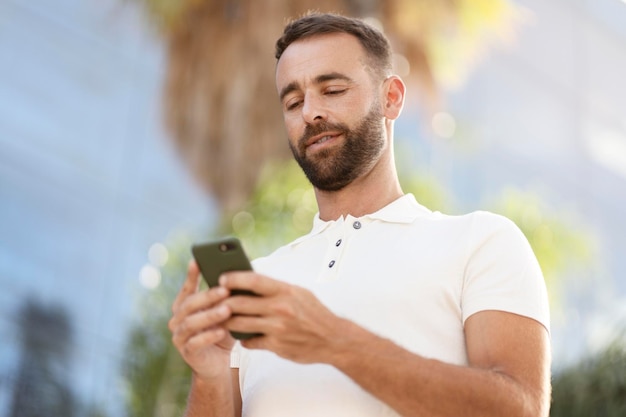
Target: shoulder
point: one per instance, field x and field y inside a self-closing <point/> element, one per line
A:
<point x="282" y="253"/>
<point x="477" y="225"/>
<point x="475" y="218"/>
<point x="487" y="226"/>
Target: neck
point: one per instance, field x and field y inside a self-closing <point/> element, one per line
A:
<point x="365" y="195"/>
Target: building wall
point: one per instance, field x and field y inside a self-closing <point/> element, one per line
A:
<point x="88" y="182"/>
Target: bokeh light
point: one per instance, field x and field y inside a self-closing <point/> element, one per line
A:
<point x="444" y="125"/>
<point x="158" y="254"/>
<point x="150" y="277"/>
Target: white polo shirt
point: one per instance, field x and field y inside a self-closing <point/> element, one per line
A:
<point x="405" y="273"/>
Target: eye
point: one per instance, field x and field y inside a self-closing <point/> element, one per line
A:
<point x="335" y="91"/>
<point x="292" y="105"/>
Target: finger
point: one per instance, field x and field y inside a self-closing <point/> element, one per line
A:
<point x="198" y="323"/>
<point x="250" y="280"/>
<point x="202" y="300"/>
<point x="201" y="340"/>
<point x="197" y="302"/>
<point x="249" y="324"/>
<point x="257" y="342"/>
<point x="190" y="286"/>
<point x="250" y="305"/>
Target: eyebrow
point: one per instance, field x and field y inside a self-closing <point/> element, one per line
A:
<point x="332" y="76"/>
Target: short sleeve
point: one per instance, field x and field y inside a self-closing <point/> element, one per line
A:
<point x="502" y="272"/>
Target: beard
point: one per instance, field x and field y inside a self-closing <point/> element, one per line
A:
<point x="334" y="168"/>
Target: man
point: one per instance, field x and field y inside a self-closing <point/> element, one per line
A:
<point x="384" y="308"/>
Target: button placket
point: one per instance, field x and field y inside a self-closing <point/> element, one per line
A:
<point x="355" y="225"/>
<point x="336" y="246"/>
<point x="335" y="253"/>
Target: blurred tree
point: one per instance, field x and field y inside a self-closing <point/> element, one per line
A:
<point x="220" y="104"/>
<point x="157" y="378"/>
<point x="282" y="207"/>
<point x="41" y="385"/>
<point x="594" y="387"/>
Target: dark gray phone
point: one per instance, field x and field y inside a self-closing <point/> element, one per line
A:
<point x="215" y="258"/>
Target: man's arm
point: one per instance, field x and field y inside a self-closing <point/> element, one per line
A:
<point x="508" y="355"/>
<point x="508" y="372"/>
<point x="214" y="397"/>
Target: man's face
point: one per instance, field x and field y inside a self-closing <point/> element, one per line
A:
<point x="331" y="109"/>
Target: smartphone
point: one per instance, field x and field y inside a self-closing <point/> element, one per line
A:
<point x="217" y="257"/>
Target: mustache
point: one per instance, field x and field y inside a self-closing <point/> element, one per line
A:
<point x="311" y="130"/>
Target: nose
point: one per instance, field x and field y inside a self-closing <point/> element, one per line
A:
<point x="312" y="109"/>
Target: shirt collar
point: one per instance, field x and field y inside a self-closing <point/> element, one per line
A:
<point x="402" y="210"/>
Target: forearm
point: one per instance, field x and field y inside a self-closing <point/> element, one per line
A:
<point x="414" y="385"/>
<point x="211" y="398"/>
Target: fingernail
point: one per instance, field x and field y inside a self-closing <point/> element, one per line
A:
<point x="222" y="280"/>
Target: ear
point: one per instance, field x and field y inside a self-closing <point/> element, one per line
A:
<point x="393" y="97"/>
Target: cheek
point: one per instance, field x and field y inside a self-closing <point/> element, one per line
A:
<point x="351" y="110"/>
<point x="294" y="127"/>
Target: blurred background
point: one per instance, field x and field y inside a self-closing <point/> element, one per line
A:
<point x="131" y="128"/>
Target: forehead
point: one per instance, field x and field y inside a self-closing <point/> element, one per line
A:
<point x="306" y="59"/>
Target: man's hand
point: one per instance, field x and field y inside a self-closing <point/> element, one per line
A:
<point x="197" y="327"/>
<point x="294" y="323"/>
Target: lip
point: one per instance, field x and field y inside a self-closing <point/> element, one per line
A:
<point x="313" y="141"/>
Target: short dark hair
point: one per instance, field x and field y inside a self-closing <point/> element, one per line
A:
<point x="374" y="42"/>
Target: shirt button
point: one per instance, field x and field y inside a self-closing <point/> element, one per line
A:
<point x="338" y="242"/>
<point x="330" y="265"/>
<point x="356" y="224"/>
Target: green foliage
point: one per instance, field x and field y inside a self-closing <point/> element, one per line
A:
<point x="280" y="209"/>
<point x="157" y="379"/>
<point x="596" y="387"/>
<point x="167" y="14"/>
<point x="427" y="191"/>
<point x="559" y="246"/>
<point x="283" y="205"/>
